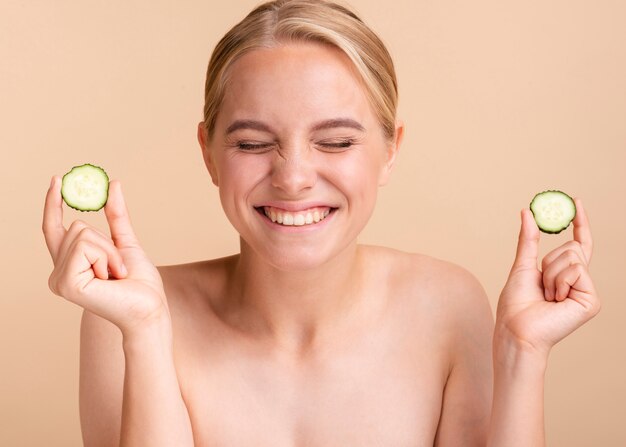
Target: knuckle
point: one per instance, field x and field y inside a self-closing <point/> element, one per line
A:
<point x="57" y="284"/>
<point x="572" y="245"/>
<point x="592" y="307"/>
<point x="544" y="264"/>
<point x="52" y="283"/>
<point x="86" y="232"/>
<point x="82" y="245"/>
<point x="559" y="277"/>
<point x="573" y="255"/>
<point x="77" y="226"/>
<point x="597" y="307"/>
<point x="576" y="247"/>
<point x="570" y="252"/>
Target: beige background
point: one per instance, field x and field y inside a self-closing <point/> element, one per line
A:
<point x="500" y="99"/>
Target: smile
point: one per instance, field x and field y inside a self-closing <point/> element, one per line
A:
<point x="309" y="216"/>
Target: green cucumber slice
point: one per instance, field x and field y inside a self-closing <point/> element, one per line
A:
<point x="553" y="211"/>
<point x="85" y="187"/>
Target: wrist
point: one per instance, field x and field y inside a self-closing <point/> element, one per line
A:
<point x="150" y="333"/>
<point x="518" y="357"/>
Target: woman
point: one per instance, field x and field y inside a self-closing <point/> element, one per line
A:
<point x="306" y="337"/>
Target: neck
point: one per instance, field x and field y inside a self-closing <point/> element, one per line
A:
<point x="295" y="308"/>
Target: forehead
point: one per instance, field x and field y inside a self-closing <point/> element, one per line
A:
<point x="295" y="81"/>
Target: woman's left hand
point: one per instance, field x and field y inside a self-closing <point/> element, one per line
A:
<point x="538" y="308"/>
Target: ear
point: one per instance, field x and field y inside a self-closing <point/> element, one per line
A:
<point x="203" y="139"/>
<point x="392" y="152"/>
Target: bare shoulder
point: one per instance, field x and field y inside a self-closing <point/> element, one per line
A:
<point x="448" y="304"/>
<point x="194" y="284"/>
<point x="102" y="361"/>
<point x="443" y="296"/>
<point x="418" y="275"/>
<point x="194" y="294"/>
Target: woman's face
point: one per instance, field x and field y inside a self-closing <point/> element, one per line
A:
<point x="298" y="154"/>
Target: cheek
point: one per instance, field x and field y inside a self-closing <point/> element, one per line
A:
<point x="238" y="178"/>
<point x="358" y="175"/>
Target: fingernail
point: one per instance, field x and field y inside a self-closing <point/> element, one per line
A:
<point x="124" y="270"/>
<point x="52" y="182"/>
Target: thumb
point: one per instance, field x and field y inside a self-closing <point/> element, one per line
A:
<point x="117" y="216"/>
<point x="528" y="243"/>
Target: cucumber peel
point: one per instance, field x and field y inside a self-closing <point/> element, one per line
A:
<point x="553" y="211"/>
<point x="85" y="187"/>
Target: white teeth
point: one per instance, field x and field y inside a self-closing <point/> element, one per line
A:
<point x="309" y="217"/>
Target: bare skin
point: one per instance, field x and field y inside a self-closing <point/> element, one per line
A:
<point x="374" y="375"/>
<point x="306" y="338"/>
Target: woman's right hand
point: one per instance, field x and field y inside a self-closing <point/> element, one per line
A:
<point x="109" y="276"/>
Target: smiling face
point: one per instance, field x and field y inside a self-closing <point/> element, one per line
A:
<point x="298" y="154"/>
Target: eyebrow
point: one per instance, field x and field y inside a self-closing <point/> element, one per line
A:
<point x="339" y="122"/>
<point x="248" y="124"/>
<point x="326" y="124"/>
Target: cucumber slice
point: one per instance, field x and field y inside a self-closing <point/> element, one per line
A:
<point x="553" y="211"/>
<point x="85" y="187"/>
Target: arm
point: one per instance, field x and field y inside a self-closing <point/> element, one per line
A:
<point x="128" y="388"/>
<point x="101" y="381"/>
<point x="135" y="399"/>
<point x="536" y="310"/>
<point x="153" y="412"/>
<point x="464" y="419"/>
<point x="517" y="417"/>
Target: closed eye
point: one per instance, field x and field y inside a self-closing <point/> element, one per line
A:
<point x="337" y="145"/>
<point x="248" y="146"/>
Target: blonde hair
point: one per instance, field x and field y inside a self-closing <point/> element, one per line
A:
<point x="311" y="21"/>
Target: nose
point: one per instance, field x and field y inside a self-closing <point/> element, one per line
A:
<point x="293" y="173"/>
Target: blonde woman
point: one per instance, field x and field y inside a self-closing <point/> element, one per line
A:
<point x="305" y="337"/>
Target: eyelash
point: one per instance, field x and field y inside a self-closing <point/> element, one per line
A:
<point x="251" y="147"/>
<point x="341" y="144"/>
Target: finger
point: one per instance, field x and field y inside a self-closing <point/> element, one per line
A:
<point x="80" y="231"/>
<point x="83" y="257"/>
<point x="85" y="262"/>
<point x="567" y="246"/>
<point x="568" y="278"/>
<point x="553" y="269"/>
<point x="97" y="258"/>
<point x="70" y="236"/>
<point x="582" y="230"/>
<point x="528" y="242"/>
<point x="114" y="258"/>
<point x="52" y="224"/>
<point x="117" y="216"/>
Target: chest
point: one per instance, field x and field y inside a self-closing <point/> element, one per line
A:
<point x="368" y="393"/>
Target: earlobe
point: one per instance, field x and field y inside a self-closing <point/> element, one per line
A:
<point x="206" y="152"/>
<point x="392" y="152"/>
